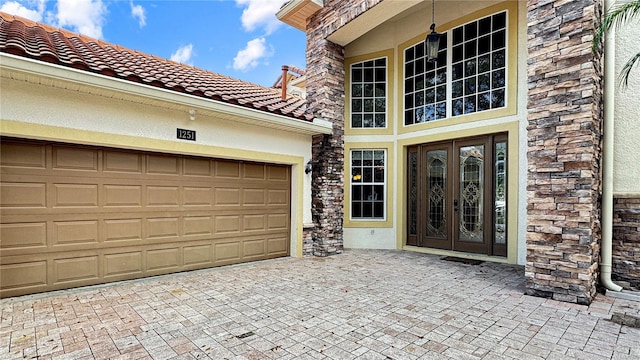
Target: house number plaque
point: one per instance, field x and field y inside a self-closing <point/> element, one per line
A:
<point x="185" y="134"/>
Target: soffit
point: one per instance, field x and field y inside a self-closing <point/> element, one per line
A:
<point x="372" y="18"/>
<point x="296" y="12"/>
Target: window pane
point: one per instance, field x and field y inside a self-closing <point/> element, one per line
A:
<point x="498" y="59"/>
<point x="456" y="89"/>
<point x="457" y="53"/>
<point x="498" y="40"/>
<point x="484" y="101"/>
<point x="484" y="63"/>
<point x="356" y="75"/>
<point x="484" y="26"/>
<point x="356" y="90"/>
<point x="356" y="120"/>
<point x="497" y="99"/>
<point x="470" y="49"/>
<point x="367" y="121"/>
<point x="484" y="82"/>
<point x="470" y="30"/>
<point x="499" y="21"/>
<point x="381" y="74"/>
<point x="382" y="62"/>
<point x="356" y="105"/>
<point x="381" y="120"/>
<point x="498" y="78"/>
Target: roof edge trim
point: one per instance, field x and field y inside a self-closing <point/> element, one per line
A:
<point x="10" y="62"/>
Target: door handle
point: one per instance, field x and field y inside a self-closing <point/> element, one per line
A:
<point x="455" y="205"/>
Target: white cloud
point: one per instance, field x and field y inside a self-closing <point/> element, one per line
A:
<point x="84" y="16"/>
<point x="260" y="14"/>
<point x="249" y="57"/>
<point x="137" y="11"/>
<point x="183" y="54"/>
<point x="16" y="8"/>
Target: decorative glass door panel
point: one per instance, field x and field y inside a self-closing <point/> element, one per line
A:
<point x="470" y="197"/>
<point x="436" y="185"/>
<point x="456" y="195"/>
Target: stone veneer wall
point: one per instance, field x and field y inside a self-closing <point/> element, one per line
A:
<point x="626" y="242"/>
<point x="325" y="98"/>
<point x="564" y="150"/>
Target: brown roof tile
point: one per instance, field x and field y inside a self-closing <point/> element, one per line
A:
<point x="38" y="41"/>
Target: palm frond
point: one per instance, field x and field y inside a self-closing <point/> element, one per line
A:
<point x="626" y="70"/>
<point x="615" y="17"/>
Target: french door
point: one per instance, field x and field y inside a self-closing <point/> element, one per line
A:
<point x="456" y="195"/>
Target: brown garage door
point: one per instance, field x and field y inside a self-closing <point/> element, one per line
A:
<point x="78" y="215"/>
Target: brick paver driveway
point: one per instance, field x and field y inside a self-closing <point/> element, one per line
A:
<point x="360" y="304"/>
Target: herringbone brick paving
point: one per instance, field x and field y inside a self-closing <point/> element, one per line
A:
<point x="362" y="304"/>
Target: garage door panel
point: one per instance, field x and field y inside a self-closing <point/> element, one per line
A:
<point x="162" y="228"/>
<point x="76" y="269"/>
<point x="75" y="195"/>
<point x="254" y="196"/>
<point x="278" y="246"/>
<point x="277" y="221"/>
<point x="198" y="255"/>
<point x="75" y="158"/>
<point x="254" y="222"/>
<point x="23" y="236"/>
<point x="118" y="230"/>
<point x="198" y="196"/>
<point x="197" y="167"/>
<point x="225" y="169"/>
<point x="78" y="233"/>
<point x="122" y="162"/>
<point x="24" y="277"/>
<point x="123" y="263"/>
<point x="253" y="171"/>
<point x="225" y="224"/>
<point x="278" y="197"/>
<point x="79" y="215"/>
<point x="278" y="173"/>
<point x="22" y="195"/>
<point x="163" y="196"/>
<point x="122" y="195"/>
<point x="227" y="196"/>
<point x="226" y="252"/>
<point x="198" y="225"/>
<point x="22" y="155"/>
<point x="163" y="165"/>
<point x="254" y="248"/>
<point x="163" y="259"/>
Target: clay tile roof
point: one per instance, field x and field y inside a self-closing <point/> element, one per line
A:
<point x="41" y="42"/>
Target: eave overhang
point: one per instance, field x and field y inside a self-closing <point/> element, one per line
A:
<point x="296" y="12"/>
<point x="370" y="19"/>
<point x="46" y="74"/>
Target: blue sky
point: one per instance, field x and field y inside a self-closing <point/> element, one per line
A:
<point x="239" y="38"/>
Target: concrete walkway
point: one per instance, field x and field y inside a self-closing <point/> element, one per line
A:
<point x="360" y="304"/>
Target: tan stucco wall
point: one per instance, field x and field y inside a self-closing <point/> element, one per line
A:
<point x="626" y="169"/>
<point x="36" y="111"/>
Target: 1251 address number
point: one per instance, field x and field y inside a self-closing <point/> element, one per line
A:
<point x="185" y="134"/>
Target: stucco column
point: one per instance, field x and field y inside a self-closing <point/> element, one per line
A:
<point x="564" y="150"/>
<point x="325" y="96"/>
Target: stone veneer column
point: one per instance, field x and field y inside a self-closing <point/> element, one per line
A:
<point x="325" y="96"/>
<point x="564" y="150"/>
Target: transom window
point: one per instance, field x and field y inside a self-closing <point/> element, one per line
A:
<point x="474" y="57"/>
<point x="368" y="184"/>
<point x="369" y="94"/>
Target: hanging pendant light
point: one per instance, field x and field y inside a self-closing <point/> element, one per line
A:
<point x="433" y="39"/>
